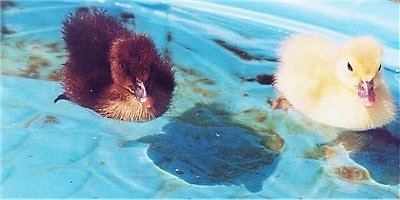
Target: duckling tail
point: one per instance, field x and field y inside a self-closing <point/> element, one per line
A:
<point x="61" y="97"/>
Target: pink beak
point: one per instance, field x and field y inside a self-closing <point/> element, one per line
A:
<point x="366" y="92"/>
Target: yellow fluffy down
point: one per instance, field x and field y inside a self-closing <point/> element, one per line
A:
<point x="313" y="75"/>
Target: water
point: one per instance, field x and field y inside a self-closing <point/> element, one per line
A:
<point x="220" y="138"/>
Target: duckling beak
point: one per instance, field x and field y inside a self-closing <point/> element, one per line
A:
<point x="366" y="92"/>
<point x="139" y="90"/>
<point x="141" y="94"/>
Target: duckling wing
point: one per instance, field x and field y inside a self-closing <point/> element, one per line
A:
<point x="305" y="70"/>
<point x="88" y="36"/>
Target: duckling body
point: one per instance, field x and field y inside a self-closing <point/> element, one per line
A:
<point x="112" y="71"/>
<point x="338" y="85"/>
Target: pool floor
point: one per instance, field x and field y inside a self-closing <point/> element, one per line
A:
<point x="219" y="139"/>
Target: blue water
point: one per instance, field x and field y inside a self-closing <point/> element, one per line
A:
<point x="220" y="138"/>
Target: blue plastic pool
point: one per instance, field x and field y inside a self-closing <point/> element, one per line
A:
<point x="220" y="138"/>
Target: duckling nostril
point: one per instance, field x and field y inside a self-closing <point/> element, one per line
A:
<point x="362" y="90"/>
<point x="139" y="90"/>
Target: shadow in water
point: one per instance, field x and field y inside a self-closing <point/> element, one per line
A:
<point x="377" y="150"/>
<point x="212" y="153"/>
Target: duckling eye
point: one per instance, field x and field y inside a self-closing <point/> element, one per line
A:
<point x="380" y="66"/>
<point x="349" y="67"/>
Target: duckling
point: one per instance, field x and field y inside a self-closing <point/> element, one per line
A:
<point x="116" y="73"/>
<point x="338" y="85"/>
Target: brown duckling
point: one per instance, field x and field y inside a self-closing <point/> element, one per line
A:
<point x="117" y="73"/>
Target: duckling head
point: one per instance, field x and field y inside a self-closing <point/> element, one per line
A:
<point x="131" y="59"/>
<point x="359" y="68"/>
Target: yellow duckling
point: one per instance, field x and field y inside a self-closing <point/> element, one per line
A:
<point x="338" y="85"/>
